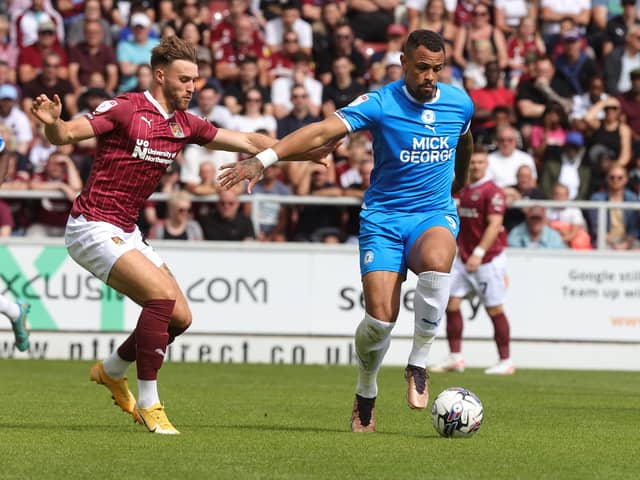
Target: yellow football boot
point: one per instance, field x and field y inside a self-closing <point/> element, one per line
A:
<point x="156" y="421"/>
<point x="119" y="388"/>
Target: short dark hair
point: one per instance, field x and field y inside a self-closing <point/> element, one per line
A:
<point x="299" y="57"/>
<point x="479" y="148"/>
<point x="501" y="109"/>
<point x="431" y="40"/>
<point x="248" y="59"/>
<point x="170" y="49"/>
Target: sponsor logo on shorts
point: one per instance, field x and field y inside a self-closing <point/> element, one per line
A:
<point x="117" y="240"/>
<point x="451" y="221"/>
<point x="368" y="257"/>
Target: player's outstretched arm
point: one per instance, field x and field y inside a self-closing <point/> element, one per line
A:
<point x="58" y="131"/>
<point x="232" y="141"/>
<point x="312" y="142"/>
<point x="463" y="157"/>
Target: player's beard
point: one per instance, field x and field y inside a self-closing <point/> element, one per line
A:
<point x="422" y="96"/>
<point x="177" y="102"/>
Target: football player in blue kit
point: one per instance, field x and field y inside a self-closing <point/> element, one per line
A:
<point x="422" y="147"/>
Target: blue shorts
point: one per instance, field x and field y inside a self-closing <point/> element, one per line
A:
<point x="386" y="238"/>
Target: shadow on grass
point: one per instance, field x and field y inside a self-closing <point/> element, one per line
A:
<point x="76" y="428"/>
<point x="290" y="428"/>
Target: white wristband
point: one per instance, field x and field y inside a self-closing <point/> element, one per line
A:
<point x="479" y="252"/>
<point x="267" y="157"/>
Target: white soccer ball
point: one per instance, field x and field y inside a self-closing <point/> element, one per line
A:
<point x="457" y="412"/>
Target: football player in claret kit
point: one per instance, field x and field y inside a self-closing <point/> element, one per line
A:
<point x="480" y="265"/>
<point x="408" y="221"/>
<point x="139" y="136"/>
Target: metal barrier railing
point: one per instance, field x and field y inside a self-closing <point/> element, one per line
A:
<point x="601" y="207"/>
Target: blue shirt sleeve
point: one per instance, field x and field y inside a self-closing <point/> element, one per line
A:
<point x="469" y="115"/>
<point x="362" y="113"/>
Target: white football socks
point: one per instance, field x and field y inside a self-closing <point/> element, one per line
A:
<point x="372" y="341"/>
<point x="430" y="301"/>
<point x="114" y="366"/>
<point x="9" y="308"/>
<point x="147" y="393"/>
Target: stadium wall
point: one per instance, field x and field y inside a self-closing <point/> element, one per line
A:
<point x="300" y="303"/>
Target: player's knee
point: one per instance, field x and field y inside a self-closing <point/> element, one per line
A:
<point x="437" y="260"/>
<point x="453" y="305"/>
<point x="181" y="316"/>
<point x="495" y="310"/>
<point x="373" y="331"/>
<point x="165" y="291"/>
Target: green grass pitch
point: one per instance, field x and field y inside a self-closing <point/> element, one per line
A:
<point x="291" y="422"/>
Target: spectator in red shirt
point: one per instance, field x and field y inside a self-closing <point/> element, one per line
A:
<point x="90" y="56"/>
<point x="487" y="98"/>
<point x="50" y="83"/>
<point x="480" y="266"/>
<point x="630" y="103"/>
<point x="51" y="214"/>
<point x="281" y="62"/>
<point x="30" y="57"/>
<point x="225" y="30"/>
<point x="525" y="43"/>
<point x="245" y="45"/>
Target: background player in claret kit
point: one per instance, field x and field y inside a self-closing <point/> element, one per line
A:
<point x="408" y="220"/>
<point x="16" y="311"/>
<point x="139" y="135"/>
<point x="480" y="265"/>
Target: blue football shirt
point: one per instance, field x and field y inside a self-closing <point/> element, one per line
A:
<point x="414" y="145"/>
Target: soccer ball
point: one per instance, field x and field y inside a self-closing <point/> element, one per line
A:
<point x="457" y="412"/>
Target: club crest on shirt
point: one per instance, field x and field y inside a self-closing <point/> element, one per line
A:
<point x="105" y="106"/>
<point x="475" y="197"/>
<point x="176" y="129"/>
<point x="359" y="100"/>
<point x="117" y="240"/>
<point x="428" y="117"/>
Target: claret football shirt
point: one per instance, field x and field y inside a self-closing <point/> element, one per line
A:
<point x="137" y="141"/>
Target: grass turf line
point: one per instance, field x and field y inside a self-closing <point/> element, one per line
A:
<point x="291" y="422"/>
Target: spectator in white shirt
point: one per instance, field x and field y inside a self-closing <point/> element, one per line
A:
<point x="289" y="20"/>
<point x="14" y="118"/>
<point x="582" y="103"/>
<point x="301" y="75"/>
<point x="505" y="162"/>
<point x="207" y="100"/>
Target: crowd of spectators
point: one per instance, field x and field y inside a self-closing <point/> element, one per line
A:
<point x="556" y="89"/>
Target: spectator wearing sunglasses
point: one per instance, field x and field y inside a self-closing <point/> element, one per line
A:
<point x="178" y="225"/>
